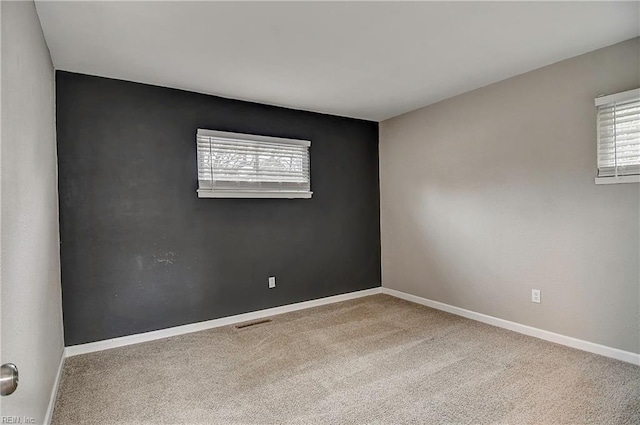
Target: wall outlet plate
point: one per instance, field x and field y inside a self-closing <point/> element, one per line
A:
<point x="535" y="296"/>
<point x="272" y="282"/>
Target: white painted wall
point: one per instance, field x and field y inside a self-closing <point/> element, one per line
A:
<point x="489" y="194"/>
<point x="31" y="329"/>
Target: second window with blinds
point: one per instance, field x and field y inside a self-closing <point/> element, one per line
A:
<point x="619" y="138"/>
<point x="234" y="165"/>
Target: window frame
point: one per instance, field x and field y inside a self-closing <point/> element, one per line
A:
<point x="604" y="101"/>
<point x="259" y="193"/>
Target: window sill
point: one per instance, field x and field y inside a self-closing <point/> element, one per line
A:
<point x="618" y="180"/>
<point x="247" y="194"/>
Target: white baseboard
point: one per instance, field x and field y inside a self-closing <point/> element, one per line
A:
<point x="54" y="391"/>
<point x="603" y="350"/>
<point x="91" y="347"/>
<point x="591" y="347"/>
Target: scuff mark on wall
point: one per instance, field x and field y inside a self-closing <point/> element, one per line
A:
<point x="166" y="258"/>
<point x="139" y="262"/>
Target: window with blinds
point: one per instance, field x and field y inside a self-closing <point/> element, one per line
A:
<point x="619" y="135"/>
<point x="233" y="165"/>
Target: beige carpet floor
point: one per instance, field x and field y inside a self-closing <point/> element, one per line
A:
<point x="377" y="360"/>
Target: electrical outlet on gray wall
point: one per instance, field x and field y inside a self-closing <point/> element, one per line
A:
<point x="535" y="296"/>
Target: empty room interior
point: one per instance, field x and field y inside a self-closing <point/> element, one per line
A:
<point x="319" y="212"/>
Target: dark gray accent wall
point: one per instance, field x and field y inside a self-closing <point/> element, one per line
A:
<point x="140" y="251"/>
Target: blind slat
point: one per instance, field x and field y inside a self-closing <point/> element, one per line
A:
<point x="293" y="149"/>
<point x="617" y="143"/>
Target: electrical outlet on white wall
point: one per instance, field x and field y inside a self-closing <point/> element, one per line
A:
<point x="535" y="296"/>
<point x="272" y="282"/>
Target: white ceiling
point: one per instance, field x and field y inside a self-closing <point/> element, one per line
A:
<point x="363" y="60"/>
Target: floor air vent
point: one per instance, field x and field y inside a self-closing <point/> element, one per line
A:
<point x="249" y="324"/>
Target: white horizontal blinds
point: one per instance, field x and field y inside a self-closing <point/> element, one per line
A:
<point x="237" y="162"/>
<point x="619" y="136"/>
